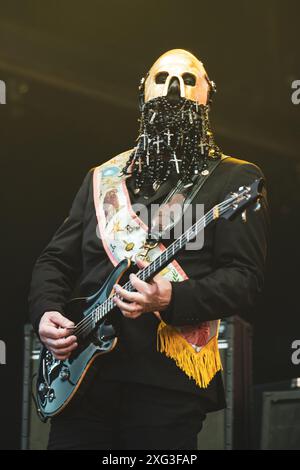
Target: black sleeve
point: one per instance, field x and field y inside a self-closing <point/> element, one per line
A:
<point x="238" y="269"/>
<point x="57" y="269"/>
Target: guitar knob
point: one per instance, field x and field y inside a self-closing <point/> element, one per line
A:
<point x="43" y="388"/>
<point x="64" y="374"/>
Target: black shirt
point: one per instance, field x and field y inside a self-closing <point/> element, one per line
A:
<point x="226" y="276"/>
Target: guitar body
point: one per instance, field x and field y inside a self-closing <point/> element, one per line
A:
<point x="58" y="381"/>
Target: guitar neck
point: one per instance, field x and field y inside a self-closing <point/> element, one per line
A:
<point x="170" y="253"/>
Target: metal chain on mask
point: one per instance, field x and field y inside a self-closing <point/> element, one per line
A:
<point x="173" y="139"/>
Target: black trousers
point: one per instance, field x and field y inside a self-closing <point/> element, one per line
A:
<point x="127" y="416"/>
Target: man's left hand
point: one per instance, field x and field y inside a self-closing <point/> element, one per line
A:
<point x="154" y="296"/>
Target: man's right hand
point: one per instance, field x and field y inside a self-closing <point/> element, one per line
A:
<point x="55" y="335"/>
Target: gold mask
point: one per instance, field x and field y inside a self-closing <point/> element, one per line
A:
<point x="180" y="64"/>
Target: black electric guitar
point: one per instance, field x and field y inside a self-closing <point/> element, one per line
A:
<point x="59" y="381"/>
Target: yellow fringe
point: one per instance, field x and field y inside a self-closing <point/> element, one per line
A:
<point x="201" y="366"/>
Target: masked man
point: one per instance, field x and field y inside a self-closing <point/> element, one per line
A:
<point x="155" y="388"/>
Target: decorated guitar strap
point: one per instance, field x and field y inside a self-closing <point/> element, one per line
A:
<point x="123" y="234"/>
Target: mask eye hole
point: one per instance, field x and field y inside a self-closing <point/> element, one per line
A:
<point x="161" y="78"/>
<point x="189" y="79"/>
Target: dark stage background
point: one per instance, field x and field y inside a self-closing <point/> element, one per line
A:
<point x="72" y="70"/>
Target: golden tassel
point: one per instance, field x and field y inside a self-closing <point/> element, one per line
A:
<point x="201" y="366"/>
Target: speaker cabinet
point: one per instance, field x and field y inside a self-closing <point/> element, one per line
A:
<point x="231" y="428"/>
<point x="34" y="431"/>
<point x="281" y="420"/>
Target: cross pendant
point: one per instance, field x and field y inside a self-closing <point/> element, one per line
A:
<point x="176" y="161"/>
<point x="202" y="146"/>
<point x="169" y="135"/>
<point x="157" y="144"/>
<point x="144" y="136"/>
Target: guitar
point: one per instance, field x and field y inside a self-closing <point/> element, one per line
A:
<point x="96" y="316"/>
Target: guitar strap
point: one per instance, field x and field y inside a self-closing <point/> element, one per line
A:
<point x="123" y="234"/>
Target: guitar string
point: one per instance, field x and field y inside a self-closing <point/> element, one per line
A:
<point x="89" y="320"/>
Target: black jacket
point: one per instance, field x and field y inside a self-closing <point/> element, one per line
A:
<point x="226" y="277"/>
